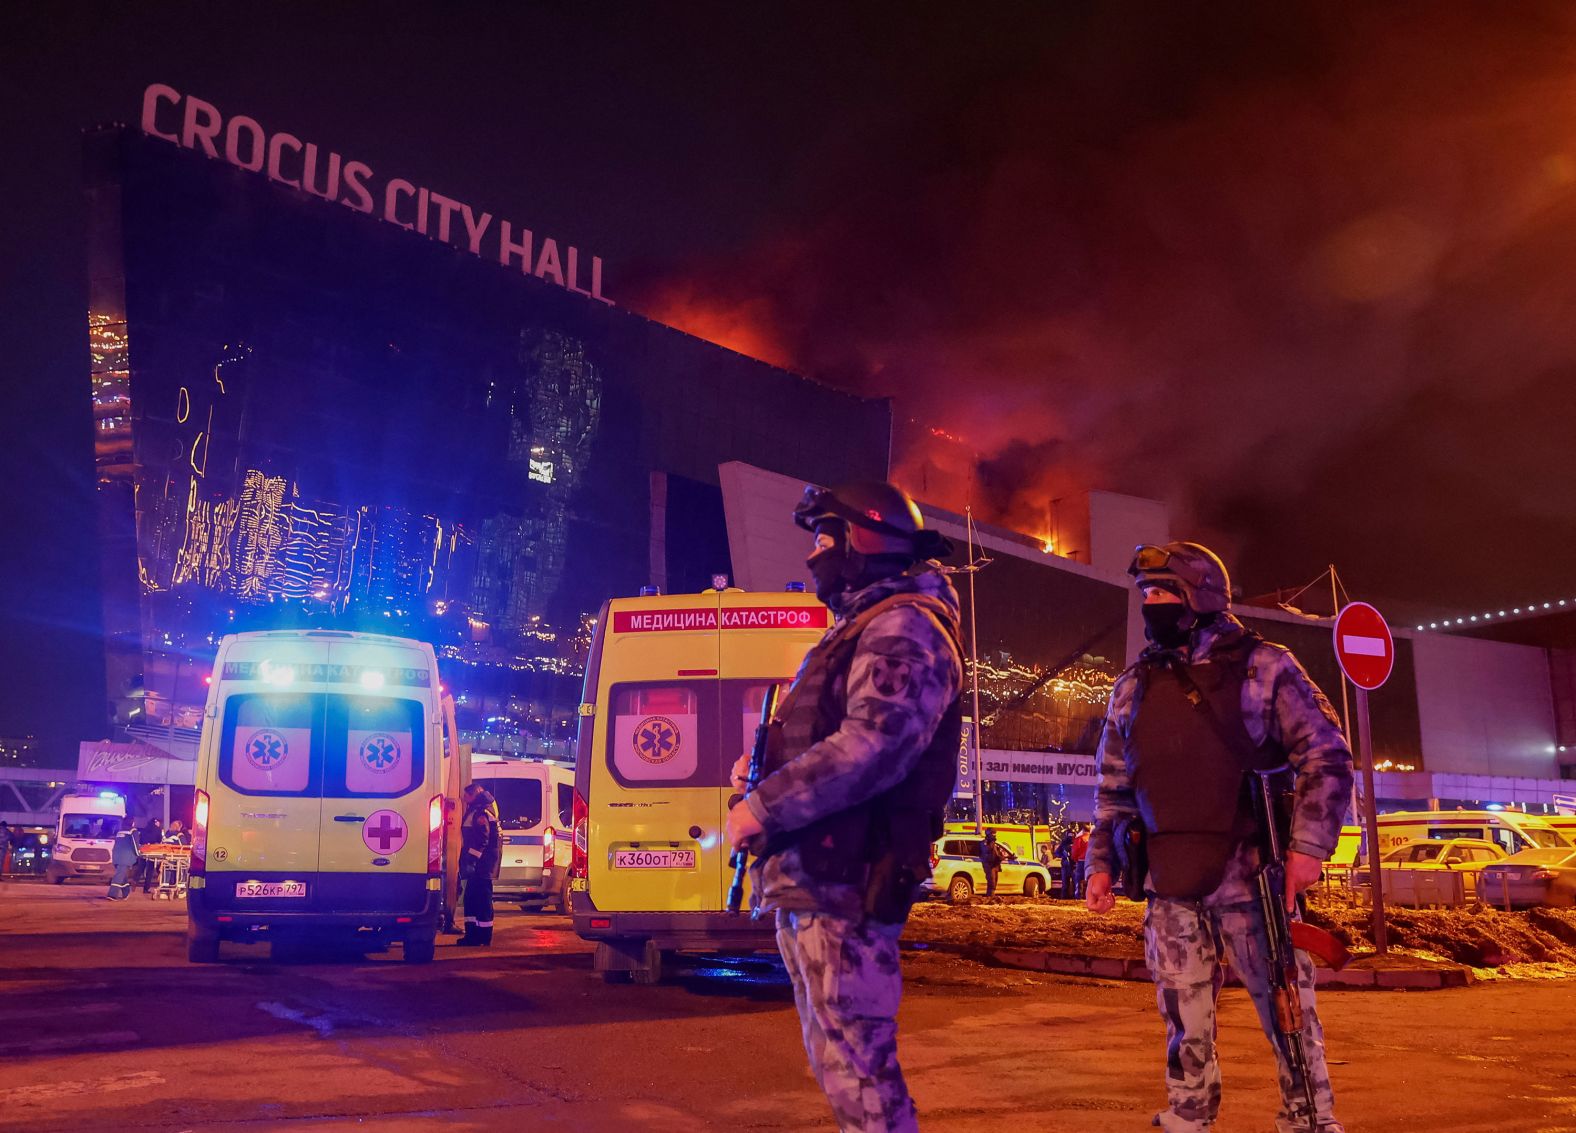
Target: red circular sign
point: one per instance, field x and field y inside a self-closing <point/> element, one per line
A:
<point x="1363" y="645"/>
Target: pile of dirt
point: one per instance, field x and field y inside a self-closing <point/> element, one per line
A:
<point x="1537" y="943"/>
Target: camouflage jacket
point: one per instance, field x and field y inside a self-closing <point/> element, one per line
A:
<point x="904" y="675"/>
<point x="1279" y="703"/>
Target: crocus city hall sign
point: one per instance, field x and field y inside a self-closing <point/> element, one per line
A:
<point x="197" y="125"/>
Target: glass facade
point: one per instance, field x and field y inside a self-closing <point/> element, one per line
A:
<point x="305" y="417"/>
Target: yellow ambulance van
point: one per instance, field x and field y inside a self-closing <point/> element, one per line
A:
<point x="1512" y="830"/>
<point x="673" y="694"/>
<point x="324" y="790"/>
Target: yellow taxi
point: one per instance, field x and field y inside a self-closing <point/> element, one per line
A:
<point x="324" y="788"/>
<point x="673" y="694"/>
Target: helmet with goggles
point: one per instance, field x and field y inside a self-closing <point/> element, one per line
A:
<point x="879" y="519"/>
<point x="1191" y="571"/>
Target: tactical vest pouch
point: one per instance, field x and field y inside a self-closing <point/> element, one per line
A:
<point x="1188" y="866"/>
<point x="1130" y="841"/>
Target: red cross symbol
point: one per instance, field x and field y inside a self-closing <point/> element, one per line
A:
<point x="387" y="829"/>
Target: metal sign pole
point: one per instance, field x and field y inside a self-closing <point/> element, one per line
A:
<point x="1376" y="884"/>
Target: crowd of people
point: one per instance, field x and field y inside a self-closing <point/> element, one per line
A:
<point x="133" y="866"/>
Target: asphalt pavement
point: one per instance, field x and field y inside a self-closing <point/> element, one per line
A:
<point x="104" y="1025"/>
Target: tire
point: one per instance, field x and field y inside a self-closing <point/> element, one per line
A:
<point x="563" y="897"/>
<point x="656" y="961"/>
<point x="420" y="950"/>
<point x="1034" y="885"/>
<point x="201" y="947"/>
<point x="60" y="880"/>
<point x="960" y="888"/>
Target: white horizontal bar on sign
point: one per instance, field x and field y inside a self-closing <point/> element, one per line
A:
<point x="1363" y="646"/>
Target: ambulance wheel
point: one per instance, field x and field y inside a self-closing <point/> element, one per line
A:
<point x="651" y="973"/>
<point x="961" y="889"/>
<point x="563" y="897"/>
<point x="201" y="947"/>
<point x="1033" y="885"/>
<point x="60" y="880"/>
<point x="420" y="950"/>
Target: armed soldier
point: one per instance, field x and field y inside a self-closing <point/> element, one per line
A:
<point x="856" y="789"/>
<point x="1208" y="706"/>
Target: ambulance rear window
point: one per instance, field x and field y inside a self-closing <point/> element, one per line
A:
<point x="266" y="746"/>
<point x="664" y="735"/>
<point x="376" y="745"/>
<point x="519" y="801"/>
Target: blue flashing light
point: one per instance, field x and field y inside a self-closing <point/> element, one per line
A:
<point x="795" y="587"/>
<point x="1494" y="806"/>
<point x="109" y="794"/>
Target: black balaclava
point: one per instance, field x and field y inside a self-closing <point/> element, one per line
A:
<point x="839" y="570"/>
<point x="1170" y="625"/>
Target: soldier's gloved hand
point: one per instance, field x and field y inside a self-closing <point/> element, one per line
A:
<point x="740" y="775"/>
<point x="742" y="826"/>
<point x="1098" y="897"/>
<point x="1301" y="872"/>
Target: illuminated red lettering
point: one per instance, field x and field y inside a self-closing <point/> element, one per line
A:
<point x="506" y="247"/>
<point x="474" y="228"/>
<point x="232" y="143"/>
<point x="447" y="207"/>
<point x="330" y="188"/>
<point x="356" y="174"/>
<point x="204" y="131"/>
<point x="547" y="263"/>
<point x="276" y="148"/>
<point x="396" y="188"/>
<point x="151" y="98"/>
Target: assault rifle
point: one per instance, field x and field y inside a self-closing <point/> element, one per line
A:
<point x="1286" y="937"/>
<point x="740" y="861"/>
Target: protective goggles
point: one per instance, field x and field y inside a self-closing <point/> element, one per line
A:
<point x="820" y="504"/>
<point x="1150" y="559"/>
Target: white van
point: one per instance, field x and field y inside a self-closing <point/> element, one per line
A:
<point x="325" y="792"/>
<point x="85" y="835"/>
<point x="536" y="799"/>
<point x="1512" y="830"/>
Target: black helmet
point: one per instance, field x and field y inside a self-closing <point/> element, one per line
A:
<point x="1191" y="570"/>
<point x="881" y="519"/>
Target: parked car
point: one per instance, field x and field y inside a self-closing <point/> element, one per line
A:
<point x="1532" y="877"/>
<point x="1468" y="855"/>
<point x="955" y="870"/>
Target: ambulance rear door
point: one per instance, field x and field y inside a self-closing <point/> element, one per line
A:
<point x="655" y="838"/>
<point x="764" y="640"/>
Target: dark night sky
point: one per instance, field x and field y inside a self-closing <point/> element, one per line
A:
<point x="1303" y="270"/>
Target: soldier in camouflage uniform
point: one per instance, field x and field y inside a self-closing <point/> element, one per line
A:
<point x="1260" y="709"/>
<point x="862" y="764"/>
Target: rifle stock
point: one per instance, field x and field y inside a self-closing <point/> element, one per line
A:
<point x="740" y="861"/>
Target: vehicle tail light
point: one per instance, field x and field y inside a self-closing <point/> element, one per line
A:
<point x="549" y="845"/>
<point x="199" y="863"/>
<point x="1544" y="875"/>
<point x="935" y="858"/>
<point x="435" y="834"/>
<point x="580" y="860"/>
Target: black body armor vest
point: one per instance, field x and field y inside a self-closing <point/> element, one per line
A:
<point x="1190" y="759"/>
<point x="884" y="843"/>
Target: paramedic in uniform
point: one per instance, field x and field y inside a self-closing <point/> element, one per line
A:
<point x="1208" y="701"/>
<point x="481" y="853"/>
<point x="863" y="762"/>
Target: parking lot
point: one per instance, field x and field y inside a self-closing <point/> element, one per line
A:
<point x="103" y="1025"/>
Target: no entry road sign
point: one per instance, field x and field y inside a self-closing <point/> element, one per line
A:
<point x="1363" y="645"/>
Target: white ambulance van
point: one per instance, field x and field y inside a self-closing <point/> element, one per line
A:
<point x="535" y="815"/>
<point x="85" y="835"/>
<point x="325" y="788"/>
<point x="673" y="694"/>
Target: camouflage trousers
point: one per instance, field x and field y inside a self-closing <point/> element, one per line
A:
<point x="1187" y="947"/>
<point x="847" y="981"/>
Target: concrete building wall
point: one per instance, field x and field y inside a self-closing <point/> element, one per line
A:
<point x="1118" y="523"/>
<point x="1486" y="708"/>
